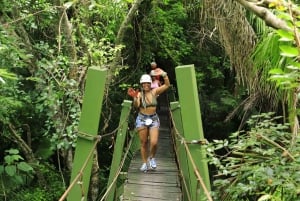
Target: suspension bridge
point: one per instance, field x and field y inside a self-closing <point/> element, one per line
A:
<point x="182" y="173"/>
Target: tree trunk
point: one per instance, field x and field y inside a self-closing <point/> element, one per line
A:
<point x="134" y="8"/>
<point x="65" y="28"/>
<point x="125" y="24"/>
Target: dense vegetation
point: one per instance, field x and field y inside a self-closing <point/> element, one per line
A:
<point x="246" y="60"/>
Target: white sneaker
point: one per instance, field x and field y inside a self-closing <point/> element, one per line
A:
<point x="144" y="167"/>
<point x="152" y="163"/>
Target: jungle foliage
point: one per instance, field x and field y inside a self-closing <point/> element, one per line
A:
<point x="243" y="68"/>
<point x="257" y="164"/>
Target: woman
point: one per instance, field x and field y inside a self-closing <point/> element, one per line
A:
<point x="147" y="121"/>
<point x="155" y="70"/>
<point x="155" y="82"/>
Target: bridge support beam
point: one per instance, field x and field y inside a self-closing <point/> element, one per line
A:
<point x="180" y="150"/>
<point x="118" y="150"/>
<point x="192" y="127"/>
<point x="87" y="133"/>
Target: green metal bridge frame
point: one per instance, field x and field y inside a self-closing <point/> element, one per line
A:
<point x="187" y="132"/>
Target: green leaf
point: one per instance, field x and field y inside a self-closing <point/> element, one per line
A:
<point x="288" y="51"/>
<point x="296" y="64"/>
<point x="1" y="80"/>
<point x="5" y="74"/>
<point x="11" y="170"/>
<point x="276" y="71"/>
<point x="265" y="197"/>
<point x="12" y="151"/>
<point x="285" y="35"/>
<point x="292" y="67"/>
<point x="17" y="157"/>
<point x="285" y="16"/>
<point x="24" y="167"/>
<point x="8" y="159"/>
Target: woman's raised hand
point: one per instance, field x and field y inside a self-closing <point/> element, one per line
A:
<point x="133" y="93"/>
<point x="157" y="72"/>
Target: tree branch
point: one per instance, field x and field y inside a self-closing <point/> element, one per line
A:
<point x="135" y="6"/>
<point x="265" y="14"/>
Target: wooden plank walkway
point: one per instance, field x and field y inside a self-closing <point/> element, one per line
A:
<point x="162" y="183"/>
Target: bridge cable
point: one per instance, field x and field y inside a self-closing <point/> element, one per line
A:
<point x="118" y="172"/>
<point x="184" y="181"/>
<point x="79" y="175"/>
<point x="184" y="142"/>
<point x="181" y="173"/>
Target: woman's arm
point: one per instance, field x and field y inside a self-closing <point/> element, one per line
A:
<point x="135" y="94"/>
<point x="163" y="87"/>
<point x="137" y="100"/>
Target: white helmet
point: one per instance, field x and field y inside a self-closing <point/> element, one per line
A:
<point x="145" y="78"/>
<point x="152" y="73"/>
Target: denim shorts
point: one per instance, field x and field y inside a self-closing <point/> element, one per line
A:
<point x="150" y="121"/>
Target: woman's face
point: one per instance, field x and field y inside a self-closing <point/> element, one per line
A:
<point x="146" y="86"/>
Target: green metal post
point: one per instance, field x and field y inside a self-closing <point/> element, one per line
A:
<point x="180" y="150"/>
<point x="88" y="130"/>
<point x="118" y="151"/>
<point x="121" y="184"/>
<point x="192" y="124"/>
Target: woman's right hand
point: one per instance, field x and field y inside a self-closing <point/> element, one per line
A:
<point x="133" y="93"/>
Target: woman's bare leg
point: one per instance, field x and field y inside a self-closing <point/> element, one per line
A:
<point x="154" y="133"/>
<point x="143" y="134"/>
